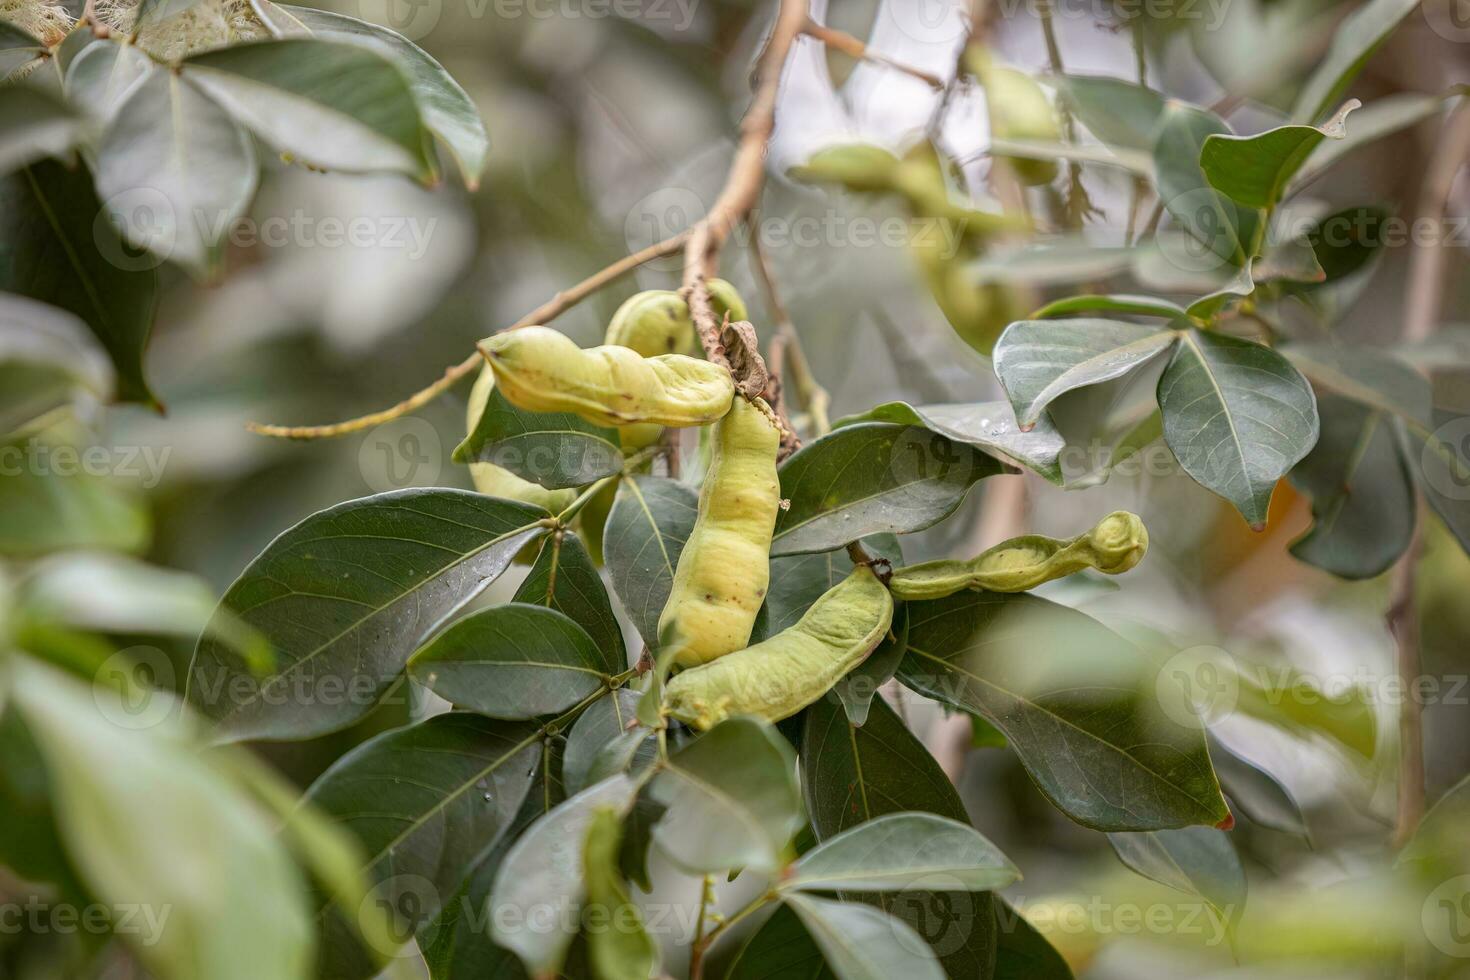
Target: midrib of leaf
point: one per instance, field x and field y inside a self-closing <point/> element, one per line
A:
<point x="658" y="535"/>
<point x="73" y="259"/>
<point x="1061" y="382"/>
<point x="850" y="502"/>
<point x="1204" y="366"/>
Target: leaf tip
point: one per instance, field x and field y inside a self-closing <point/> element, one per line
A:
<point x="1228" y="823"/>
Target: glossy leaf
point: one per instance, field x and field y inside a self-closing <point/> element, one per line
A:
<point x="336" y="106"/>
<point x="1077" y="703"/>
<point x="989" y="426"/>
<point x="1195" y="860"/>
<point x="564" y="578"/>
<point x="650" y="520"/>
<point x="1354" y="43"/>
<point x="601" y="738"/>
<point x="345" y="597"/>
<point x="1255" y="170"/>
<point x="53" y="249"/>
<point x="512" y="661"/>
<point x="732" y="799"/>
<point x="556" y="450"/>
<point x="781" y="949"/>
<point x="899" y="850"/>
<point x="175" y="171"/>
<point x="1037" y="361"/>
<point x="620" y="948"/>
<point x="869" y="478"/>
<point x="1237" y="416"/>
<point x="860" y="942"/>
<point x="36" y="126"/>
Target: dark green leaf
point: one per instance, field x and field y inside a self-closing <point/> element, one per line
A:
<point x="1256" y="793"/>
<point x="1021" y="952"/>
<point x="1374" y="378"/>
<point x="1198" y="861"/>
<point x="873" y="477"/>
<point x="1135" y="305"/>
<point x="900" y="850"/>
<point x="1440" y="461"/>
<point x="990" y="426"/>
<point x="555" y="450"/>
<point x="345" y="597"/>
<point x="860" y="942"/>
<point x="45" y="508"/>
<point x="1076" y="701"/>
<point x="646" y="529"/>
<point x="54" y="249"/>
<point x="857" y="690"/>
<point x="1223" y="232"/>
<point x="1254" y="170"/>
<point x="564" y="579"/>
<point x="1237" y="416"/>
<point x="1119" y="113"/>
<point x="336" y="106"/>
<point x="1347" y="241"/>
<point x="511" y="661"/>
<point x="36" y="126"/>
<point x="797" y="581"/>
<point x="1352" y="46"/>
<point x="600" y="741"/>
<point x="781" y="949"/>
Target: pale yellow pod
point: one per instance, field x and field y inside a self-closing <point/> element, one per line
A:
<point x="1115" y="544"/>
<point x="778" y="677"/>
<point x="724" y="569"/>
<point x="496" y="481"/>
<point x="657" y="321"/>
<point x="540" y="370"/>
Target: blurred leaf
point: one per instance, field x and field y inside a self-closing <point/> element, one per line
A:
<point x="345" y="597"/>
<point x="1379" y="118"/>
<point x="1257" y="793"/>
<point x="900" y="850"/>
<point x="1347" y="241"/>
<point x="175" y="172"/>
<point x="1373" y="378"/>
<point x="1440" y="462"/>
<point x="1280" y="694"/>
<point x="1195" y="860"/>
<point x="541" y="877"/>
<point x="36" y="126"/>
<point x="1356" y="39"/>
<point x="556" y="450"/>
<point x="152" y="11"/>
<point x="150" y="826"/>
<point x="48" y="504"/>
<point x="1294" y="260"/>
<point x="872" y="477"/>
<point x="1051" y="263"/>
<point x="600" y="743"/>
<point x="619" y="946"/>
<point x="1237" y="416"/>
<point x="650" y="520"/>
<point x="512" y="661"/>
<point x="30" y="841"/>
<point x="53" y="249"/>
<point x="564" y="579"/>
<point x="1135" y="305"/>
<point x="46" y="354"/>
<point x="1021" y="952"/>
<point x="1039" y="360"/>
<point x="1136" y="161"/>
<point x="1117" y="112"/>
<point x="448" y="111"/>
<point x="860" y="942"/>
<point x="989" y="426"/>
<point x="732" y="799"/>
<point x="102" y="76"/>
<point x="336" y="106"/>
<point x="1223" y="230"/>
<point x="18" y="51"/>
<point x="1077" y="703"/>
<point x="1255" y="170"/>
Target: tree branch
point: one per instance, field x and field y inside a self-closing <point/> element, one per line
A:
<point x="849" y="45"/>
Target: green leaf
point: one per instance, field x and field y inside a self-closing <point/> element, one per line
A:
<point x="1223" y="232"/>
<point x="1076" y="701"/>
<point x="1293" y="260"/>
<point x="1256" y="793"/>
<point x="511" y="661"/>
<point x="539" y="885"/>
<point x="857" y="690"/>
<point x="175" y="172"/>
<point x="53" y="249"/>
<point x="336" y="106"/>
<point x="1022" y="953"/>
<point x="1353" y="44"/>
<point x="46" y="356"/>
<point x="650" y="520"/>
<point x="1255" y="170"/>
<point x="556" y="450"/>
<point x="45" y="507"/>
<point x="19" y="51"/>
<point x="781" y="949"/>
<point x="619" y="946"/>
<point x="1039" y="360"/>
<point x="565" y="579"/>
<point x="600" y="742"/>
<point x="345" y="597"/>
<point x="426" y="802"/>
<point x="1198" y="861"/>
<point x="1119" y="113"/>
<point x="1134" y="305"/>
<point x="447" y="109"/>
<point x="36" y="126"/>
<point x="732" y="799"/>
<point x="899" y="850"/>
<point x="1054" y="262"/>
<point x="152" y="11"/>
<point x="873" y="477"/>
<point x="1375" y="378"/>
<point x="103" y="75"/>
<point x="797" y="581"/>
<point x="1347" y="241"/>
<point x="1362" y="492"/>
<point x="989" y="426"/>
<point x="1237" y="416"/>
<point x="1440" y="461"/>
<point x="1379" y="118"/>
<point x="151" y="825"/>
<point x="852" y="775"/>
<point x="860" y="942"/>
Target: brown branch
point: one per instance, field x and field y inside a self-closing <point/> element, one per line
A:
<point x="564" y="300"/>
<point x="853" y="47"/>
<point x="788" y="360"/>
<point x="1426" y="265"/>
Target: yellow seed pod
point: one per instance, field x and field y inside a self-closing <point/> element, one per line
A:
<point x="1113" y="546"/>
<point x="724" y="569"/>
<point x="657" y="321"/>
<point x="779" y="676"/>
<point x="860" y="167"/>
<point x="1019" y="110"/>
<point x="495" y="481"/>
<point x="540" y="370"/>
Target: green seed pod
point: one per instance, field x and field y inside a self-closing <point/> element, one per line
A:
<point x="978" y="312"/>
<point x="859" y="167"/>
<point x="1113" y="546"/>
<point x="657" y="321"/>
<point x="724" y="569"/>
<point x="778" y="677"/>
<point x="495" y="481"/>
<point x="1019" y="110"/>
<point x="540" y="370"/>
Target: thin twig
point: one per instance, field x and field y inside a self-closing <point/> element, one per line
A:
<point x="564" y="300"/>
<point x="793" y="365"/>
<point x="1426" y="264"/>
<point x="852" y="46"/>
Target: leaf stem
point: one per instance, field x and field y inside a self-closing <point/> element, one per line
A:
<point x="696" y="956"/>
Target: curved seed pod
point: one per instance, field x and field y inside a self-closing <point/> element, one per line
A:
<point x="778" y="677"/>
<point x="657" y="321"/>
<point x="859" y="167"/>
<point x="1019" y="110"/>
<point x="724" y="569"/>
<point x="1113" y="546"/>
<point x="495" y="481"/>
<point x="541" y="370"/>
